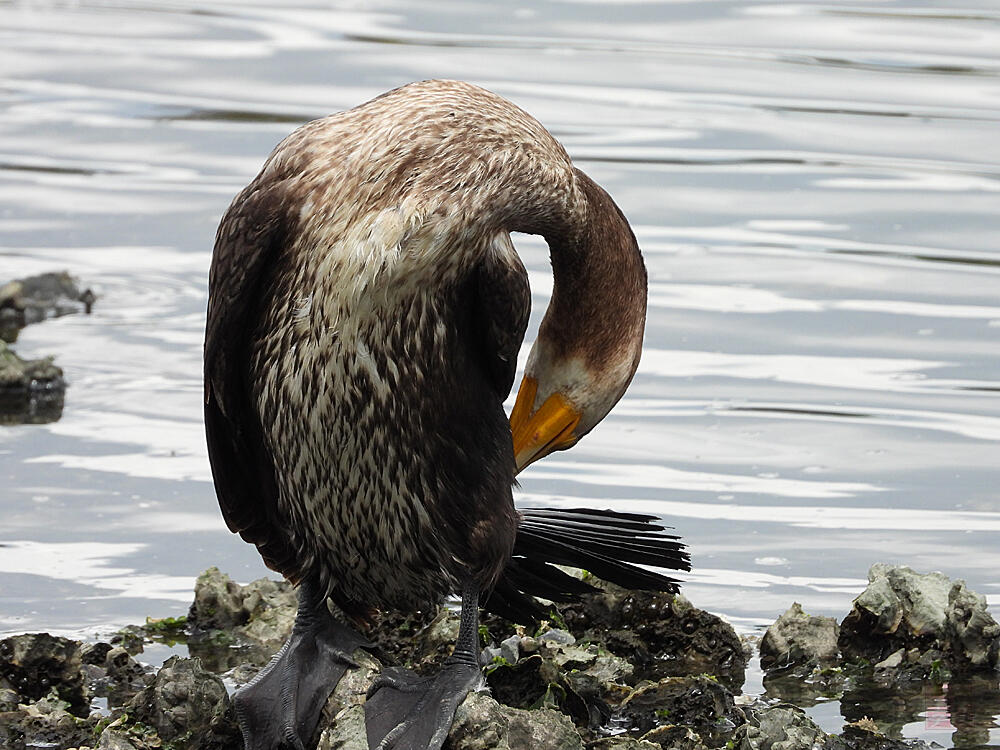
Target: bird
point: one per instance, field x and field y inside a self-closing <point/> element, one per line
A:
<point x="366" y="309"/>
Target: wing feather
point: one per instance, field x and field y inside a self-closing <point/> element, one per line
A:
<point x="502" y="307"/>
<point x="248" y="244"/>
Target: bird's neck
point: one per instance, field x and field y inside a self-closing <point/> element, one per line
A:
<point x="598" y="307"/>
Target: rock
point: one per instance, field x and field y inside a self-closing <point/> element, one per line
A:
<point x="798" y="642"/>
<point x="351" y="690"/>
<point x="523" y="684"/>
<point x="185" y="705"/>
<point x="624" y="743"/>
<point x="346" y="731"/>
<point x="31" y="390"/>
<point x="229" y="623"/>
<point x="36" y="663"/>
<point x="673" y="737"/>
<point x="483" y="724"/>
<point x="8" y="699"/>
<point x="44" y="724"/>
<point x="661" y="635"/>
<point x="480" y="724"/>
<point x="864" y="735"/>
<point x="112" y="739"/>
<point x="971" y="629"/>
<point x="95" y="653"/>
<point x="901" y="609"/>
<point x="218" y="602"/>
<point x="557" y="636"/>
<point x="780" y="728"/>
<point x="435" y="641"/>
<point x="542" y="728"/>
<point x="696" y="702"/>
<point x="125" y="676"/>
<point x="35" y="298"/>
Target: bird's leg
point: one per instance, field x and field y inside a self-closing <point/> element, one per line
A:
<point x="281" y="707"/>
<point x="407" y="712"/>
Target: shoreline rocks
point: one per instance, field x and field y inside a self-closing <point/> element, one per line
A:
<point x="619" y="670"/>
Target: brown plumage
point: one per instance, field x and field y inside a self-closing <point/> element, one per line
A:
<point x="366" y="308"/>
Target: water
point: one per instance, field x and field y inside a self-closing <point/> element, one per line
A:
<point x="814" y="185"/>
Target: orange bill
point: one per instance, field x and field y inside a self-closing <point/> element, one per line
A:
<point x="548" y="429"/>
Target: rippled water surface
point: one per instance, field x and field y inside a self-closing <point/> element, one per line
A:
<point x="815" y="187"/>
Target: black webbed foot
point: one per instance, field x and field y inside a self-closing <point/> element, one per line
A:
<point x="281" y="707"/>
<point x="407" y="712"/>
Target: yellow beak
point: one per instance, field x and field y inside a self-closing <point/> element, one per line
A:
<point x="548" y="429"/>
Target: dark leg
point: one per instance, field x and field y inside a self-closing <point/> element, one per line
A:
<point x="281" y="707"/>
<point x="408" y="712"/>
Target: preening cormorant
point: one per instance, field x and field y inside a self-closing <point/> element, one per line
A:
<point x="366" y="308"/>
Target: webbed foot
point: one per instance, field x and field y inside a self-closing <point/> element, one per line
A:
<point x="281" y="707"/>
<point x="407" y="712"/>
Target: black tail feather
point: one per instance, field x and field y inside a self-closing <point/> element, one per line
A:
<point x="609" y="544"/>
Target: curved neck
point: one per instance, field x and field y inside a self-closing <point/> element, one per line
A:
<point x="598" y="308"/>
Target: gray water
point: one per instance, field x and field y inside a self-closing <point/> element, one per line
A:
<point x="814" y="185"/>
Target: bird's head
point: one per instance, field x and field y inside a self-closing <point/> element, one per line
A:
<point x="563" y="397"/>
<point x="590" y="339"/>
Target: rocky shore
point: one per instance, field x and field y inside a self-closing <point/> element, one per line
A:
<point x="619" y="670"/>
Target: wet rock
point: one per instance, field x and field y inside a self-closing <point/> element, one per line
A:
<point x="697" y="702"/>
<point x="556" y="636"/>
<point x="35" y="298"/>
<point x="780" y="728"/>
<point x="229" y="623"/>
<point x="659" y="634"/>
<point x="524" y="683"/>
<point x="184" y="704"/>
<point x="624" y="743"/>
<point x="415" y="638"/>
<point x="929" y="617"/>
<point x="8" y="699"/>
<point x="483" y="724"/>
<point x="125" y="677"/>
<point x="351" y="690"/>
<point x="36" y="663"/>
<point x="864" y="735"/>
<point x="345" y="732"/>
<point x="112" y="739"/>
<point x="32" y="391"/>
<point x="132" y="638"/>
<point x="44" y="724"/>
<point x="799" y="642"/>
<point x="218" y="602"/>
<point x="95" y="653"/>
<point x="432" y="643"/>
<point x="674" y="738"/>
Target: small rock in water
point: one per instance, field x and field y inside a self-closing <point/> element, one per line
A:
<point x="921" y="615"/>
<point x="798" y="642"/>
<point x="32" y="391"/>
<point x="35" y="298"/>
<point x="231" y="624"/>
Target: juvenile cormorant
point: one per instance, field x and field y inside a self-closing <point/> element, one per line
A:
<point x="366" y="307"/>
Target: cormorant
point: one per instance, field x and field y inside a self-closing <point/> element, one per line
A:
<point x="366" y="307"/>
